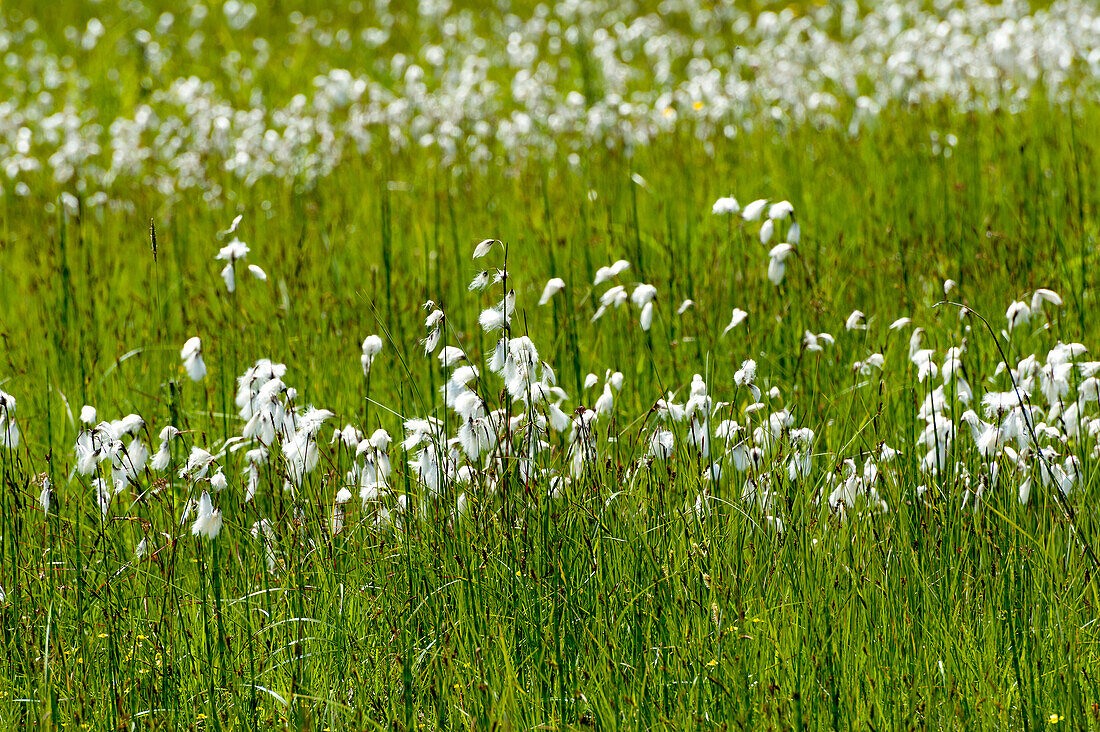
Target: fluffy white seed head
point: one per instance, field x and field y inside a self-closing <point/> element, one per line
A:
<point x="780" y="211"/>
<point x="737" y="318"/>
<point x="725" y="205"/>
<point x="752" y="211"/>
<point x="208" y="522"/>
<point x="553" y="287"/>
<point x="191" y="353"/>
<point x="483" y="248"/>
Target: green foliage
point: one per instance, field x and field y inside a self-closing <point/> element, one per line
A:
<point x="614" y="605"/>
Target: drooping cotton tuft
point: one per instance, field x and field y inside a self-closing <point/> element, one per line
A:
<point x="1018" y="314"/>
<point x="208" y="522"/>
<point x="483" y="248"/>
<point x="372" y="346"/>
<point x="646" y="318"/>
<point x="9" y="431"/>
<point x="553" y="287"/>
<point x="780" y="211"/>
<point x="738" y="317"/>
<point x="191" y="353"/>
<point x="752" y="211"/>
<point x="766" y="231"/>
<point x="794" y="234"/>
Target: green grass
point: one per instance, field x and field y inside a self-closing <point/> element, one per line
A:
<point x="613" y="605"/>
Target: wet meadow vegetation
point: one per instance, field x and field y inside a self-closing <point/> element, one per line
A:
<point x="549" y="366"/>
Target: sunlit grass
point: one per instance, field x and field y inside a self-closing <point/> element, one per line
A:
<point x="622" y="599"/>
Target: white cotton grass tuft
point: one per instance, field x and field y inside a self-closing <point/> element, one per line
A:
<point x="643" y="294"/>
<point x="234" y="251"/>
<point x="662" y="444"/>
<point x="163" y="456"/>
<point x="500" y="315"/>
<point x="434" y="325"/>
<point x="780" y="211"/>
<point x="727" y="205"/>
<point x="450" y="355"/>
<point x="491" y="319"/>
<point x="231" y="253"/>
<point x="484" y="247"/>
<point x="198" y="464"/>
<point x="794" y="234"/>
<point x="777" y="261"/>
<point x="230" y="277"/>
<point x="1043" y="295"/>
<point x="864" y="367"/>
<point x="614" y="297"/>
<point x="766" y="231"/>
<point x="191" y="353"/>
<point x="781" y="251"/>
<point x="372" y="346"/>
<point x="855" y="321"/>
<point x="752" y="211"/>
<point x="208" y="522"/>
<point x="103" y="495"/>
<point x="815" y="342"/>
<point x="45" y="494"/>
<point x="736" y="319"/>
<point x="1018" y="313"/>
<point x="553" y="287"/>
<point x="606" y="402"/>
<point x="479" y="282"/>
<point x="615" y="378"/>
<point x="777" y="270"/>
<point x="745" y="375"/>
<point x="603" y="274"/>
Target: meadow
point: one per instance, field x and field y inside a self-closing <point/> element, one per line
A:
<point x="549" y="366"/>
